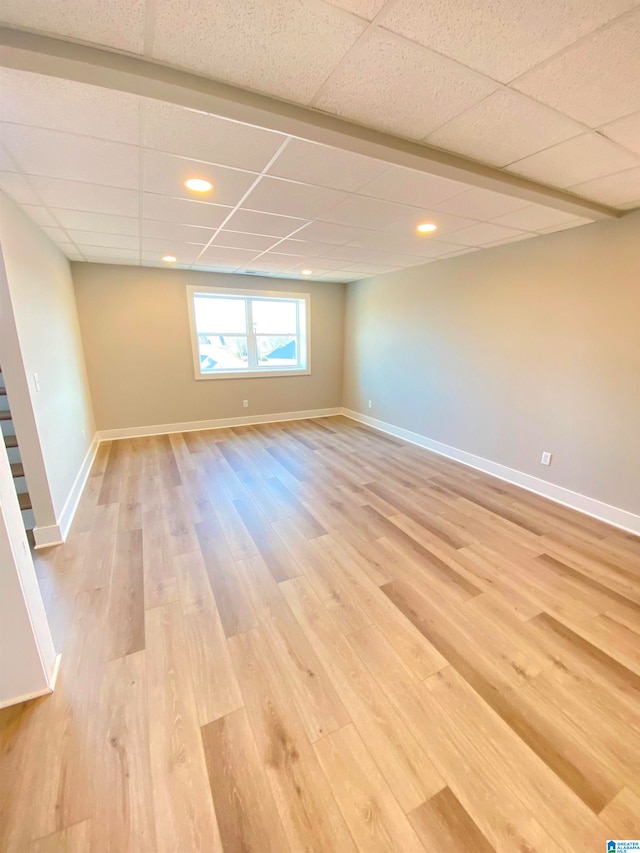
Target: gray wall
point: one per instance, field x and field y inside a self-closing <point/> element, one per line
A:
<point x="511" y="351"/>
<point x="39" y="333"/>
<point x="135" y="329"/>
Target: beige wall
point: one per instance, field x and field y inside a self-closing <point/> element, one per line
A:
<point x="506" y="353"/>
<point x="135" y="329"/>
<point x="39" y="333"/>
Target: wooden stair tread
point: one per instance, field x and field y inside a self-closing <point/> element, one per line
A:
<point x="24" y="500"/>
<point x="17" y="469"/>
<point x="5" y="416"/>
<point x="10" y="441"/>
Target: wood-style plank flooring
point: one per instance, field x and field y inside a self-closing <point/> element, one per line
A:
<point x="310" y="636"/>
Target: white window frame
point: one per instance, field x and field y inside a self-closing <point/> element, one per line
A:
<point x="304" y="333"/>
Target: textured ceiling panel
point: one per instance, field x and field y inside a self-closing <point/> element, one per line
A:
<point x="595" y="81"/>
<point x="577" y="160"/>
<point x="73" y="107"/>
<point x="498" y="130"/>
<point x="115" y="23"/>
<point x="502" y="38"/>
<point x="615" y="190"/>
<point x="327" y="167"/>
<point x="410" y="91"/>
<point x="282" y="47"/>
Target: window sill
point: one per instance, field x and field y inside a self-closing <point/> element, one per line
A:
<point x="253" y="374"/>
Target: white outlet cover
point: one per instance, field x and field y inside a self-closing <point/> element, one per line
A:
<point x="546" y="458"/>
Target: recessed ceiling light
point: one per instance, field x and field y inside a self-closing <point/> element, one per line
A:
<point x="307" y="272"/>
<point x="426" y="227"/>
<point x="198" y="185"/>
<point x="169" y="259"/>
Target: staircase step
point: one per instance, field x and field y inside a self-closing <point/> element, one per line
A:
<point x="24" y="500"/>
<point x="10" y="441"/>
<point x="5" y="416"/>
<point x="17" y="470"/>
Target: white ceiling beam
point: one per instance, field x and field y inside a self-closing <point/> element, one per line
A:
<point x="27" y="51"/>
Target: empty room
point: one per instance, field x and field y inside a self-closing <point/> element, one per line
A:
<point x="320" y="406"/>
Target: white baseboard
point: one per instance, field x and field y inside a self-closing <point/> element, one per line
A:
<point x="56" y="534"/>
<point x="36" y="694"/>
<point x="218" y="423"/>
<point x="589" y="506"/>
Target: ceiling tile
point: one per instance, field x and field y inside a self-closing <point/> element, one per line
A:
<point x="102" y="222"/>
<point x="40" y="215"/>
<point x="592" y="81"/>
<point x="240" y="240"/>
<point x="407" y="243"/>
<point x="274" y="195"/>
<point x="480" y="204"/>
<point x="205" y="137"/>
<point x="184" y="252"/>
<point x="118" y="23"/>
<point x="514" y="238"/>
<point x="18" y="188"/>
<point x="318" y="265"/>
<point x="166" y="173"/>
<point x="304" y="247"/>
<point x="7" y="162"/>
<point x="359" y="211"/>
<point x="368" y="269"/>
<point x="108" y="256"/>
<point x="53" y="154"/>
<point x="329" y="232"/>
<point x="216" y="266"/>
<point x="272" y="225"/>
<point x="262" y="265"/>
<point x="392" y="84"/>
<point x="112" y="241"/>
<point x="575" y="223"/>
<point x="65" y="105"/>
<point x="184" y="211"/>
<point x="324" y="166"/>
<point x="484" y="233"/>
<point x="174" y="231"/>
<point x="625" y="131"/>
<point x="613" y="190"/>
<point x="124" y="262"/>
<point x="58" y="235"/>
<point x="275" y="260"/>
<point x="537" y="217"/>
<point x="357" y="254"/>
<point x="577" y="160"/>
<point x="283" y="47"/>
<point x="446" y="222"/>
<point x="506" y="126"/>
<point x="503" y="38"/>
<point x="228" y="253"/>
<point x="367" y="9"/>
<point x="408" y="186"/>
<point x="75" y="195"/>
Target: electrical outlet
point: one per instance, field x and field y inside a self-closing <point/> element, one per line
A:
<point x="546" y="458"/>
<point x="84" y="434"/>
<point x="36" y="381"/>
<point x="370" y="403"/>
<point x="245" y="404"/>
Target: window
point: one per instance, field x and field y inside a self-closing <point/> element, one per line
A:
<point x="252" y="333"/>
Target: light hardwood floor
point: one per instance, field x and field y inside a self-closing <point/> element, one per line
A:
<point x="311" y="636"/>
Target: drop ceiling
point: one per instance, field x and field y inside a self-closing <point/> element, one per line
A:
<point x="546" y="91"/>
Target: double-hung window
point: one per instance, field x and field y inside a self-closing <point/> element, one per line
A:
<point x="248" y="333"/>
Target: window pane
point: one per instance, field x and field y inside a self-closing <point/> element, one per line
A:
<point x="276" y="317"/>
<point x="277" y="351"/>
<point x="218" y="314"/>
<point x="222" y="352"/>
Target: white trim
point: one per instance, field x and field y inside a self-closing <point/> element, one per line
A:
<point x="36" y="694"/>
<point x="589" y="506"/>
<point x="56" y="534"/>
<point x="218" y="423"/>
